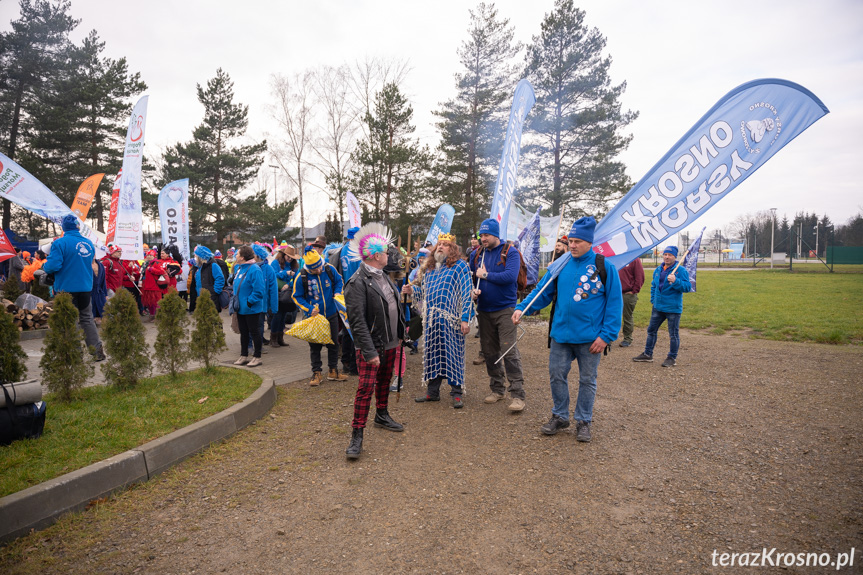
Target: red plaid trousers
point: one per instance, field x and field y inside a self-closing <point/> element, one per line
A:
<point x="373" y="378"/>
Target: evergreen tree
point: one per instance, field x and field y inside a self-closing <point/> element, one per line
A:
<point x="11" y="289"/>
<point x="575" y="125"/>
<point x="12" y="355"/>
<point x="473" y="124"/>
<point x="253" y="218"/>
<point x="30" y="55"/>
<point x="172" y="334"/>
<point x="65" y="365"/>
<point x="208" y="336"/>
<point x="216" y="171"/>
<point x="124" y="342"/>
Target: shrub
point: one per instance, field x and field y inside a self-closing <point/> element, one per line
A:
<point x="208" y="337"/>
<point x="172" y="323"/>
<point x="124" y="343"/>
<point x="12" y="356"/>
<point x="11" y="290"/>
<point x="65" y="365"/>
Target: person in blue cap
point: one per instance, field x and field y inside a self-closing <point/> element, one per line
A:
<point x="71" y="262"/>
<point x="666" y="294"/>
<point x="585" y="319"/>
<point x="347" y="267"/>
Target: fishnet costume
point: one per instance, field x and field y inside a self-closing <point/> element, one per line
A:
<point x="444" y="302"/>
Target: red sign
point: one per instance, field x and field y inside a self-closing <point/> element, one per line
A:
<point x="115" y="201"/>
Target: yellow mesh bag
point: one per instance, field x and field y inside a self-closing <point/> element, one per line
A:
<point x="313" y="330"/>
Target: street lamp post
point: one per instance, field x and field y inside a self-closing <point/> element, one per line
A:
<point x="772" y="232"/>
<point x="275" y="185"/>
<point x="816" y="238"/>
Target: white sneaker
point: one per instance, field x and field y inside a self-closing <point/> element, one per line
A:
<point x="244" y="359"/>
<point x="256" y="361"/>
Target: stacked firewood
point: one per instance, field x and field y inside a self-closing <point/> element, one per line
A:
<point x="26" y="319"/>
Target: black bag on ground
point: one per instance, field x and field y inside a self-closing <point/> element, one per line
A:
<point x="20" y="421"/>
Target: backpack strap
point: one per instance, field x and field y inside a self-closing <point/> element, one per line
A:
<point x="600" y="269"/>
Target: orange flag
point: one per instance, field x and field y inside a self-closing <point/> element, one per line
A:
<point x="86" y="192"/>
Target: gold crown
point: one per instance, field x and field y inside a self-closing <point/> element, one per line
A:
<point x="446" y="238"/>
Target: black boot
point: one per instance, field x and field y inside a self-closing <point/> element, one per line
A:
<point x="356" y="447"/>
<point x="282" y="341"/>
<point x="274" y="339"/>
<point x="383" y="419"/>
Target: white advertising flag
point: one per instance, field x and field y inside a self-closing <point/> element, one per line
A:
<point x="129" y="229"/>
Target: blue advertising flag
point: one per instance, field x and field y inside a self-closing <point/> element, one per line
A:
<point x="504" y="189"/>
<point x="732" y="140"/>
<point x="442" y="223"/>
<point x="690" y="262"/>
<point x="529" y="242"/>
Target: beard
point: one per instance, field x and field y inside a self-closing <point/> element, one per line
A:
<point x="439" y="258"/>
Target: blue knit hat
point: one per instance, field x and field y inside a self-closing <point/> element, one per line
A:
<point x="70" y="222"/>
<point x="203" y="252"/>
<point x="352" y="232"/>
<point x="260" y="251"/>
<point x="583" y="229"/>
<point x="491" y="227"/>
<point x="670" y="250"/>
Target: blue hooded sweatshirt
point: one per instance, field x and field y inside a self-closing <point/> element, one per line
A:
<point x="71" y="259"/>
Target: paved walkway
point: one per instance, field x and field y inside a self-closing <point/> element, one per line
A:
<point x="283" y="365"/>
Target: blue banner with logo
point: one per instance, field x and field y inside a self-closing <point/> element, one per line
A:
<point x="529" y="246"/>
<point x="690" y="262"/>
<point x="504" y="189"/>
<point x="442" y="223"/>
<point x="732" y="140"/>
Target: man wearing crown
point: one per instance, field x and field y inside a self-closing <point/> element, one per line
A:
<point x="445" y="303"/>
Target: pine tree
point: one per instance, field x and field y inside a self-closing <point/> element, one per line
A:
<point x="11" y="289"/>
<point x="473" y="124"/>
<point x="65" y="364"/>
<point x="254" y="218"/>
<point x="216" y="171"/>
<point x="208" y="336"/>
<point x="124" y="342"/>
<point x="12" y="355"/>
<point x="172" y="339"/>
<point x="575" y="125"/>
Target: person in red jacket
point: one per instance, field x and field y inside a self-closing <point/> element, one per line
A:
<point x="631" y="279"/>
<point x="114" y="270"/>
<point x="131" y="280"/>
<point x="155" y="277"/>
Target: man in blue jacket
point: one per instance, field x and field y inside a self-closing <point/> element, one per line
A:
<point x="314" y="288"/>
<point x="496" y="264"/>
<point x="271" y="297"/>
<point x="666" y="295"/>
<point x="71" y="262"/>
<point x="585" y="319"/>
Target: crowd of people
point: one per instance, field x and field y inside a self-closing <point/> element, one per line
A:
<point x="378" y="301"/>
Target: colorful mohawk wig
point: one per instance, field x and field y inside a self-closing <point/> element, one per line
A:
<point x="370" y="239"/>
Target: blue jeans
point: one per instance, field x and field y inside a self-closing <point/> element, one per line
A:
<point x="656" y="319"/>
<point x="559" y="363"/>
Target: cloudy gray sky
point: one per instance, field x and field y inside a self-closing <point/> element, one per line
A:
<point x="678" y="58"/>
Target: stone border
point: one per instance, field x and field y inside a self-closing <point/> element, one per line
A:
<point x="39" y="506"/>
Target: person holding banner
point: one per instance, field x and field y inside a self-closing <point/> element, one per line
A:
<point x="561" y="246"/>
<point x="131" y="277"/>
<point x="496" y="265"/>
<point x="666" y="294"/>
<point x="71" y="262"/>
<point x="114" y="270"/>
<point x="585" y="319"/>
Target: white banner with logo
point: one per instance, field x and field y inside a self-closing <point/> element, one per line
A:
<point x="174" y="215"/>
<point x="520" y="218"/>
<point x="20" y="187"/>
<point x="129" y="229"/>
<point x="354" y="212"/>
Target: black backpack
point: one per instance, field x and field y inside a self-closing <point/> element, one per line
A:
<point x="20" y="421"/>
<point x="603" y="276"/>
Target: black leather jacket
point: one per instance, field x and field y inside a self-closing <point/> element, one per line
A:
<point x="368" y="313"/>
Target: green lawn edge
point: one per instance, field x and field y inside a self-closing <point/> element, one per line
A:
<point x="103" y="421"/>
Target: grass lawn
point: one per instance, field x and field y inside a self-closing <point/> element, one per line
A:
<point x="825" y="308"/>
<point x="103" y="421"/>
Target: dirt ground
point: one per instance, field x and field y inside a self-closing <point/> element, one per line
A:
<point x="746" y="444"/>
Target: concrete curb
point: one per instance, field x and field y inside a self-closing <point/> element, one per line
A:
<point x="39" y="506"/>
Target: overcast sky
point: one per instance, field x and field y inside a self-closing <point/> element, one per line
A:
<point x="677" y="58"/>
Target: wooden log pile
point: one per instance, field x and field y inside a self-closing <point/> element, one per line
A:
<point x="28" y="319"/>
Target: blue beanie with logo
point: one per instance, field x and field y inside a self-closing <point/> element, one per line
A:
<point x="70" y="222"/>
<point x="583" y="229"/>
<point x="490" y="227"/>
<point x="670" y="250"/>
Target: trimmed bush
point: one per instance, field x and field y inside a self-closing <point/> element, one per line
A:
<point x="124" y="343"/>
<point x="172" y="339"/>
<point x="12" y="356"/>
<point x="65" y="364"/>
<point x="11" y="291"/>
<point x="208" y="337"/>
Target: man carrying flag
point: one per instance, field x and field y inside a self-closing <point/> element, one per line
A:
<point x="666" y="294"/>
<point x="585" y="290"/>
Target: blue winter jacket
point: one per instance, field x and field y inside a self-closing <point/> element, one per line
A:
<point x="579" y="319"/>
<point x="499" y="289"/>
<point x="286" y="273"/>
<point x="319" y="292"/>
<point x="272" y="286"/>
<point x="668" y="297"/>
<point x="71" y="262"/>
<point x="250" y="288"/>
